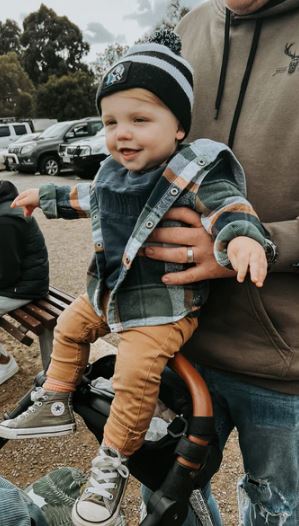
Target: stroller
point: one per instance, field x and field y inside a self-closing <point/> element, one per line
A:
<point x="187" y="456"/>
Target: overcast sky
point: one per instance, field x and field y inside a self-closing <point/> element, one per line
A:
<point x="101" y="21"/>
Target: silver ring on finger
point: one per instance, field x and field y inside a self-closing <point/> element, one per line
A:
<point x="190" y="255"/>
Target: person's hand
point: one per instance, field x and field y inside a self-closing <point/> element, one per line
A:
<point x="243" y="253"/>
<point x="28" y="200"/>
<point x="205" y="265"/>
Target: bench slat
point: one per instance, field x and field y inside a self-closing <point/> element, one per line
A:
<point x="56" y="302"/>
<point x="49" y="307"/>
<point x="47" y="319"/>
<point x="39" y="317"/>
<point x="61" y="295"/>
<point x="27" y="320"/>
<point x="19" y="333"/>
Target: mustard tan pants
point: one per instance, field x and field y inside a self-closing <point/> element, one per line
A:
<point x="142" y="355"/>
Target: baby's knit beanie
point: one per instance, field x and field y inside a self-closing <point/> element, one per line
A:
<point x="155" y="65"/>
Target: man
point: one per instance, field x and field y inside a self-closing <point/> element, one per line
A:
<point x="245" y="56"/>
<point x="24" y="269"/>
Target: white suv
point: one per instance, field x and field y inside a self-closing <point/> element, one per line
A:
<point x="85" y="155"/>
<point x="11" y="131"/>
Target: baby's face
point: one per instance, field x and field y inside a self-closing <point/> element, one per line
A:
<point x="141" y="132"/>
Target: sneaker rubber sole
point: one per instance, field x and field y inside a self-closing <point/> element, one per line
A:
<point x="39" y="432"/>
<point x="79" y="521"/>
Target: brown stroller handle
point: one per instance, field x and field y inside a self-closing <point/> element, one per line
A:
<point x="200" y="395"/>
<point x="201" y="399"/>
<point x="169" y="504"/>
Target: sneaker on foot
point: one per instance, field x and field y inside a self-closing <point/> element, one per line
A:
<point x="7" y="370"/>
<point x="50" y="415"/>
<point x="99" y="504"/>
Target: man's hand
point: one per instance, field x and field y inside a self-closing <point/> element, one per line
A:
<point x="28" y="200"/>
<point x="243" y="253"/>
<point x="205" y="264"/>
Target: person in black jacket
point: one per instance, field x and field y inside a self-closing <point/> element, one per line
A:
<point x="24" y="267"/>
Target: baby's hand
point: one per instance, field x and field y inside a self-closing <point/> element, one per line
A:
<point x="244" y="252"/>
<point x="28" y="200"/>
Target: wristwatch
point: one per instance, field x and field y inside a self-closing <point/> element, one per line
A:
<point x="271" y="252"/>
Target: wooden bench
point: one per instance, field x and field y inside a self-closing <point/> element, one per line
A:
<point x="38" y="317"/>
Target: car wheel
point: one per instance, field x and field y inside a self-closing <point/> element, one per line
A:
<point x="49" y="165"/>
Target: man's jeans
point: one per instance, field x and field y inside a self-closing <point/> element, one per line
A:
<point x="268" y="427"/>
<point x="7" y="304"/>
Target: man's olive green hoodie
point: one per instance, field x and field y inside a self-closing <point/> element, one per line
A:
<point x="245" y="330"/>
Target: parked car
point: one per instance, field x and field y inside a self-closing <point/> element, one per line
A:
<point x="10" y="131"/>
<point x="41" y="155"/>
<point x="86" y="155"/>
<point x="9" y="157"/>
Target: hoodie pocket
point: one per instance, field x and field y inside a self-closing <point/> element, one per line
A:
<point x="265" y="322"/>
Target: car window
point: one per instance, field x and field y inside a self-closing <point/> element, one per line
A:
<point x="55" y="131"/>
<point x="95" y="127"/>
<point x="20" y="129"/>
<point x="4" y="131"/>
<point x="80" y="130"/>
<point x="77" y="131"/>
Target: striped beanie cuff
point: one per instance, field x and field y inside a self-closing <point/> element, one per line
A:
<point x="157" y="66"/>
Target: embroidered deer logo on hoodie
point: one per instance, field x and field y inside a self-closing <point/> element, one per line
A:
<point x="294" y="58"/>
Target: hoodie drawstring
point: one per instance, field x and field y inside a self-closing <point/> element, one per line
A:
<point x="246" y="76"/>
<point x="223" y="70"/>
<point x="245" y="80"/>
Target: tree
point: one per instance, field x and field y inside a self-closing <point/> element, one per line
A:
<point x="110" y="55"/>
<point x="15" y="87"/>
<point x="52" y="44"/>
<point x="24" y="105"/>
<point x="174" y="13"/>
<point x="68" y="97"/>
<point x="9" y="37"/>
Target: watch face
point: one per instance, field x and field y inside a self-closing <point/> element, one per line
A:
<point x="271" y="252"/>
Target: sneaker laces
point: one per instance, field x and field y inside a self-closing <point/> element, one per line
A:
<point x="36" y="396"/>
<point x="100" y="481"/>
<point x="39" y="393"/>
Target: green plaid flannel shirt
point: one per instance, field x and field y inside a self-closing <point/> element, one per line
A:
<point x="192" y="178"/>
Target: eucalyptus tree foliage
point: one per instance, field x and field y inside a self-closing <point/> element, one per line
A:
<point x="9" y="37"/>
<point x="52" y="45"/>
<point x="16" y="89"/>
<point x="67" y="97"/>
<point x="107" y="58"/>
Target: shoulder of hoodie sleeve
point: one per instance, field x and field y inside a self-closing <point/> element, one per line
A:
<point x="191" y="17"/>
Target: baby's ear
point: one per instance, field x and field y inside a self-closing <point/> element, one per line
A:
<point x="180" y="134"/>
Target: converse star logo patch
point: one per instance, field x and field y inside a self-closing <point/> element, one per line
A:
<point x="57" y="409"/>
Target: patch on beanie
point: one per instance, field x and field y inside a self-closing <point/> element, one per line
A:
<point x="117" y="75"/>
<point x="167" y="38"/>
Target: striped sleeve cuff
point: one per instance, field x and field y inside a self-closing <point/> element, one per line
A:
<point x="47" y="200"/>
<point x="229" y="232"/>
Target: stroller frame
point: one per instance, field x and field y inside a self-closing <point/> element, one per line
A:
<point x="187" y="457"/>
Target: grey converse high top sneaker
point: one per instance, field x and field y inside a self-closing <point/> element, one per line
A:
<point x="50" y="415"/>
<point x="99" y="504"/>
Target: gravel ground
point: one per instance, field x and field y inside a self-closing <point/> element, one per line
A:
<point x="70" y="248"/>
